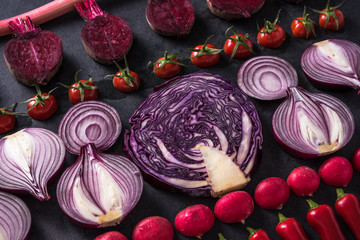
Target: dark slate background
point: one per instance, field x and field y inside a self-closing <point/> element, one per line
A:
<point x="48" y="221"/>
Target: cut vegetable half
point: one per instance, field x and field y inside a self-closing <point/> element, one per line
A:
<point x="310" y="125"/>
<point x="99" y="190"/>
<point x="197" y="134"/>
<point x="266" y="77"/>
<point x="332" y="63"/>
<point x="15" y="217"/>
<point x="29" y="158"/>
<point x="90" y="122"/>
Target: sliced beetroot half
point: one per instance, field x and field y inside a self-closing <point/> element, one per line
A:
<point x="33" y="56"/>
<point x="234" y="9"/>
<point x="170" y="17"/>
<point x="106" y="38"/>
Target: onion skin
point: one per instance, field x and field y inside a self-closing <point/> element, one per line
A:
<point x="29" y="159"/>
<point x="84" y="184"/>
<point x="309" y="125"/>
<point x="15" y="220"/>
<point x="90" y="122"/>
<point x="266" y="77"/>
<point x="181" y="125"/>
<point x="319" y="64"/>
<point x="234" y="9"/>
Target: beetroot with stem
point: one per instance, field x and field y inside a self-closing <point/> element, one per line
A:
<point x="234" y="9"/>
<point x="303" y="181"/>
<point x="33" y="56"/>
<point x="106" y="38"/>
<point x="170" y="17"/>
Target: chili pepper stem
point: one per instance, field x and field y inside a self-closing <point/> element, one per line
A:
<point x="221" y="237"/>
<point x="251" y="231"/>
<point x="312" y="204"/>
<point x="340" y="193"/>
<point x="282" y="217"/>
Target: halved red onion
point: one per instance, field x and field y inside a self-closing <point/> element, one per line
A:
<point x="332" y="63"/>
<point x="29" y="158"/>
<point x="90" y="122"/>
<point x="309" y="125"/>
<point x="15" y="217"/>
<point x="266" y="77"/>
<point x="99" y="189"/>
<point x="197" y="134"/>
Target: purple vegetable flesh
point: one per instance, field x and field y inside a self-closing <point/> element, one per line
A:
<point x="106" y="38"/>
<point x="33" y="56"/>
<point x="332" y="64"/>
<point x="234" y="9"/>
<point x="29" y="159"/>
<point x="266" y="77"/>
<point x="99" y="190"/>
<point x="309" y="125"/>
<point x="196" y="134"/>
<point x="15" y="217"/>
<point x="170" y="17"/>
<point x="90" y="122"/>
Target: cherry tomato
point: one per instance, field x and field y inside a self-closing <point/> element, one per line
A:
<point x="7" y="120"/>
<point x="43" y="106"/>
<point x="272" y="35"/>
<point x="205" y="60"/>
<point x="126" y="82"/>
<point x="238" y="45"/>
<point x="205" y="55"/>
<point x="167" y="66"/>
<point x="86" y="87"/>
<point x="301" y="28"/>
<point x="273" y="39"/>
<point x="331" y="24"/>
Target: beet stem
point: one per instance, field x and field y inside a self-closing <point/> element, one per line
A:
<point x="41" y="14"/>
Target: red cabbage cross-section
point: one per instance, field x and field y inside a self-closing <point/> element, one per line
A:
<point x="197" y="134"/>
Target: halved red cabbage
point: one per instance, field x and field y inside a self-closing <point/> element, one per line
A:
<point x="197" y="134"/>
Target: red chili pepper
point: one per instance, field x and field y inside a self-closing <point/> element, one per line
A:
<point x="348" y="207"/>
<point x="322" y="219"/>
<point x="290" y="229"/>
<point x="257" y="234"/>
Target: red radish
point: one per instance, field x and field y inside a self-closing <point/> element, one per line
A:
<point x="303" y="181"/>
<point x="152" y="228"/>
<point x="234" y="9"/>
<point x="106" y="38"/>
<point x="272" y="193"/>
<point x="336" y="171"/>
<point x="356" y="160"/>
<point x="234" y="207"/>
<point x="33" y="56"/>
<point x="195" y="220"/>
<point x="170" y="17"/>
<point x="41" y="14"/>
<point x="112" y="235"/>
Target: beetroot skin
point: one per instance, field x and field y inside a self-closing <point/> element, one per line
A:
<point x="170" y="17"/>
<point x="336" y="171"/>
<point x="194" y="221"/>
<point x="272" y="193"/>
<point x="112" y="235"/>
<point x="303" y="181"/>
<point x="234" y="207"/>
<point x="234" y="9"/>
<point x="106" y="38"/>
<point x="356" y="160"/>
<point x="153" y="227"/>
<point x="33" y="56"/>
